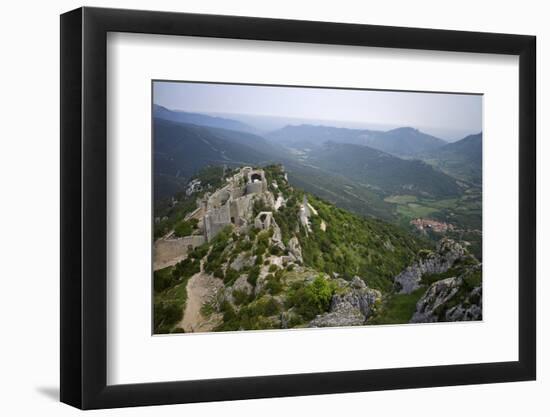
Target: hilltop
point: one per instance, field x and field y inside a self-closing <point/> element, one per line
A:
<point x="462" y="159"/>
<point x="254" y="252"/>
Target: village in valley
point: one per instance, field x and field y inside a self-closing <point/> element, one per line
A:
<point x="430" y="224"/>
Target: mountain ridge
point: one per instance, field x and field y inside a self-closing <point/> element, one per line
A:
<point x="462" y="159"/>
<point x="382" y="171"/>
<point x="200" y="119"/>
<point x="401" y="142"/>
<point x="173" y="159"/>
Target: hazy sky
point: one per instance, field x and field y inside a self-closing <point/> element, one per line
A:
<point x="439" y="111"/>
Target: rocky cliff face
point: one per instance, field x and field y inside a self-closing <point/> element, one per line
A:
<point x="295" y="250"/>
<point x="447" y="252"/>
<point x="351" y="305"/>
<point x="451" y="299"/>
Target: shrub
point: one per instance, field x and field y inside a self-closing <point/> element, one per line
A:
<point x="240" y="297"/>
<point x="265" y="306"/>
<point x="163" y="279"/>
<point x="185" y="228"/>
<point x="219" y="273"/>
<point x="263" y="238"/>
<point x="166" y="315"/>
<point x="186" y="268"/>
<point x="260" y="250"/>
<point x="273" y="268"/>
<point x="214" y="258"/>
<point x="273" y="284"/>
<point x="253" y="275"/>
<point x="472" y="280"/>
<point x="312" y="299"/>
<point x="231" y="276"/>
<point x="228" y="311"/>
<point x="207" y="309"/>
<point x="199" y="252"/>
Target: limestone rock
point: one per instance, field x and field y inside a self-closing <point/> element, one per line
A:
<point x="439" y="293"/>
<point x="242" y="261"/>
<point x="280" y="202"/>
<point x="351" y="306"/>
<point x="242" y="284"/>
<point x="277" y="235"/>
<point x="469" y="311"/>
<point x="449" y="300"/>
<point x="358" y="296"/>
<point x="447" y="252"/>
<point x="295" y="249"/>
<point x="287" y="318"/>
<point x="345" y="315"/>
<point x="358" y="283"/>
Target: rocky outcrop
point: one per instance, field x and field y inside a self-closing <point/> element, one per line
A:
<point x="344" y="315"/>
<point x="446" y="254"/>
<point x="277" y="237"/>
<point x="280" y="202"/>
<point x="352" y="304"/>
<point x="295" y="249"/>
<point x="242" y="285"/>
<point x="242" y="260"/>
<point x="429" y="306"/>
<point x="470" y="310"/>
<point x="449" y="299"/>
<point x="357" y="295"/>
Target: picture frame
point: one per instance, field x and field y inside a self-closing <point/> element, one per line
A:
<point x="84" y="181"/>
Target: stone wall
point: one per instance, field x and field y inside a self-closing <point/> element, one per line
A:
<point x="254" y="187"/>
<point x="215" y="220"/>
<point x="168" y="252"/>
<point x="220" y="197"/>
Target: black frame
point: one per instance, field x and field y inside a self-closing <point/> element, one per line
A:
<point x="84" y="207"/>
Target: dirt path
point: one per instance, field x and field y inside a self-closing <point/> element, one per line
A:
<point x="201" y="288"/>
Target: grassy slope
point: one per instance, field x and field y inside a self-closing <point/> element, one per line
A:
<point x="398" y="308"/>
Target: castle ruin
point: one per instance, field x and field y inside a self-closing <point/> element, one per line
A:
<point x="232" y="204"/>
<point x="263" y="220"/>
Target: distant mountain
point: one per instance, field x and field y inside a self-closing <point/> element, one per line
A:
<point x="180" y="149"/>
<point x="308" y="136"/>
<point x="405" y="141"/>
<point x="352" y="176"/>
<point x="462" y="159"/>
<point x="381" y="171"/>
<point x="161" y="112"/>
